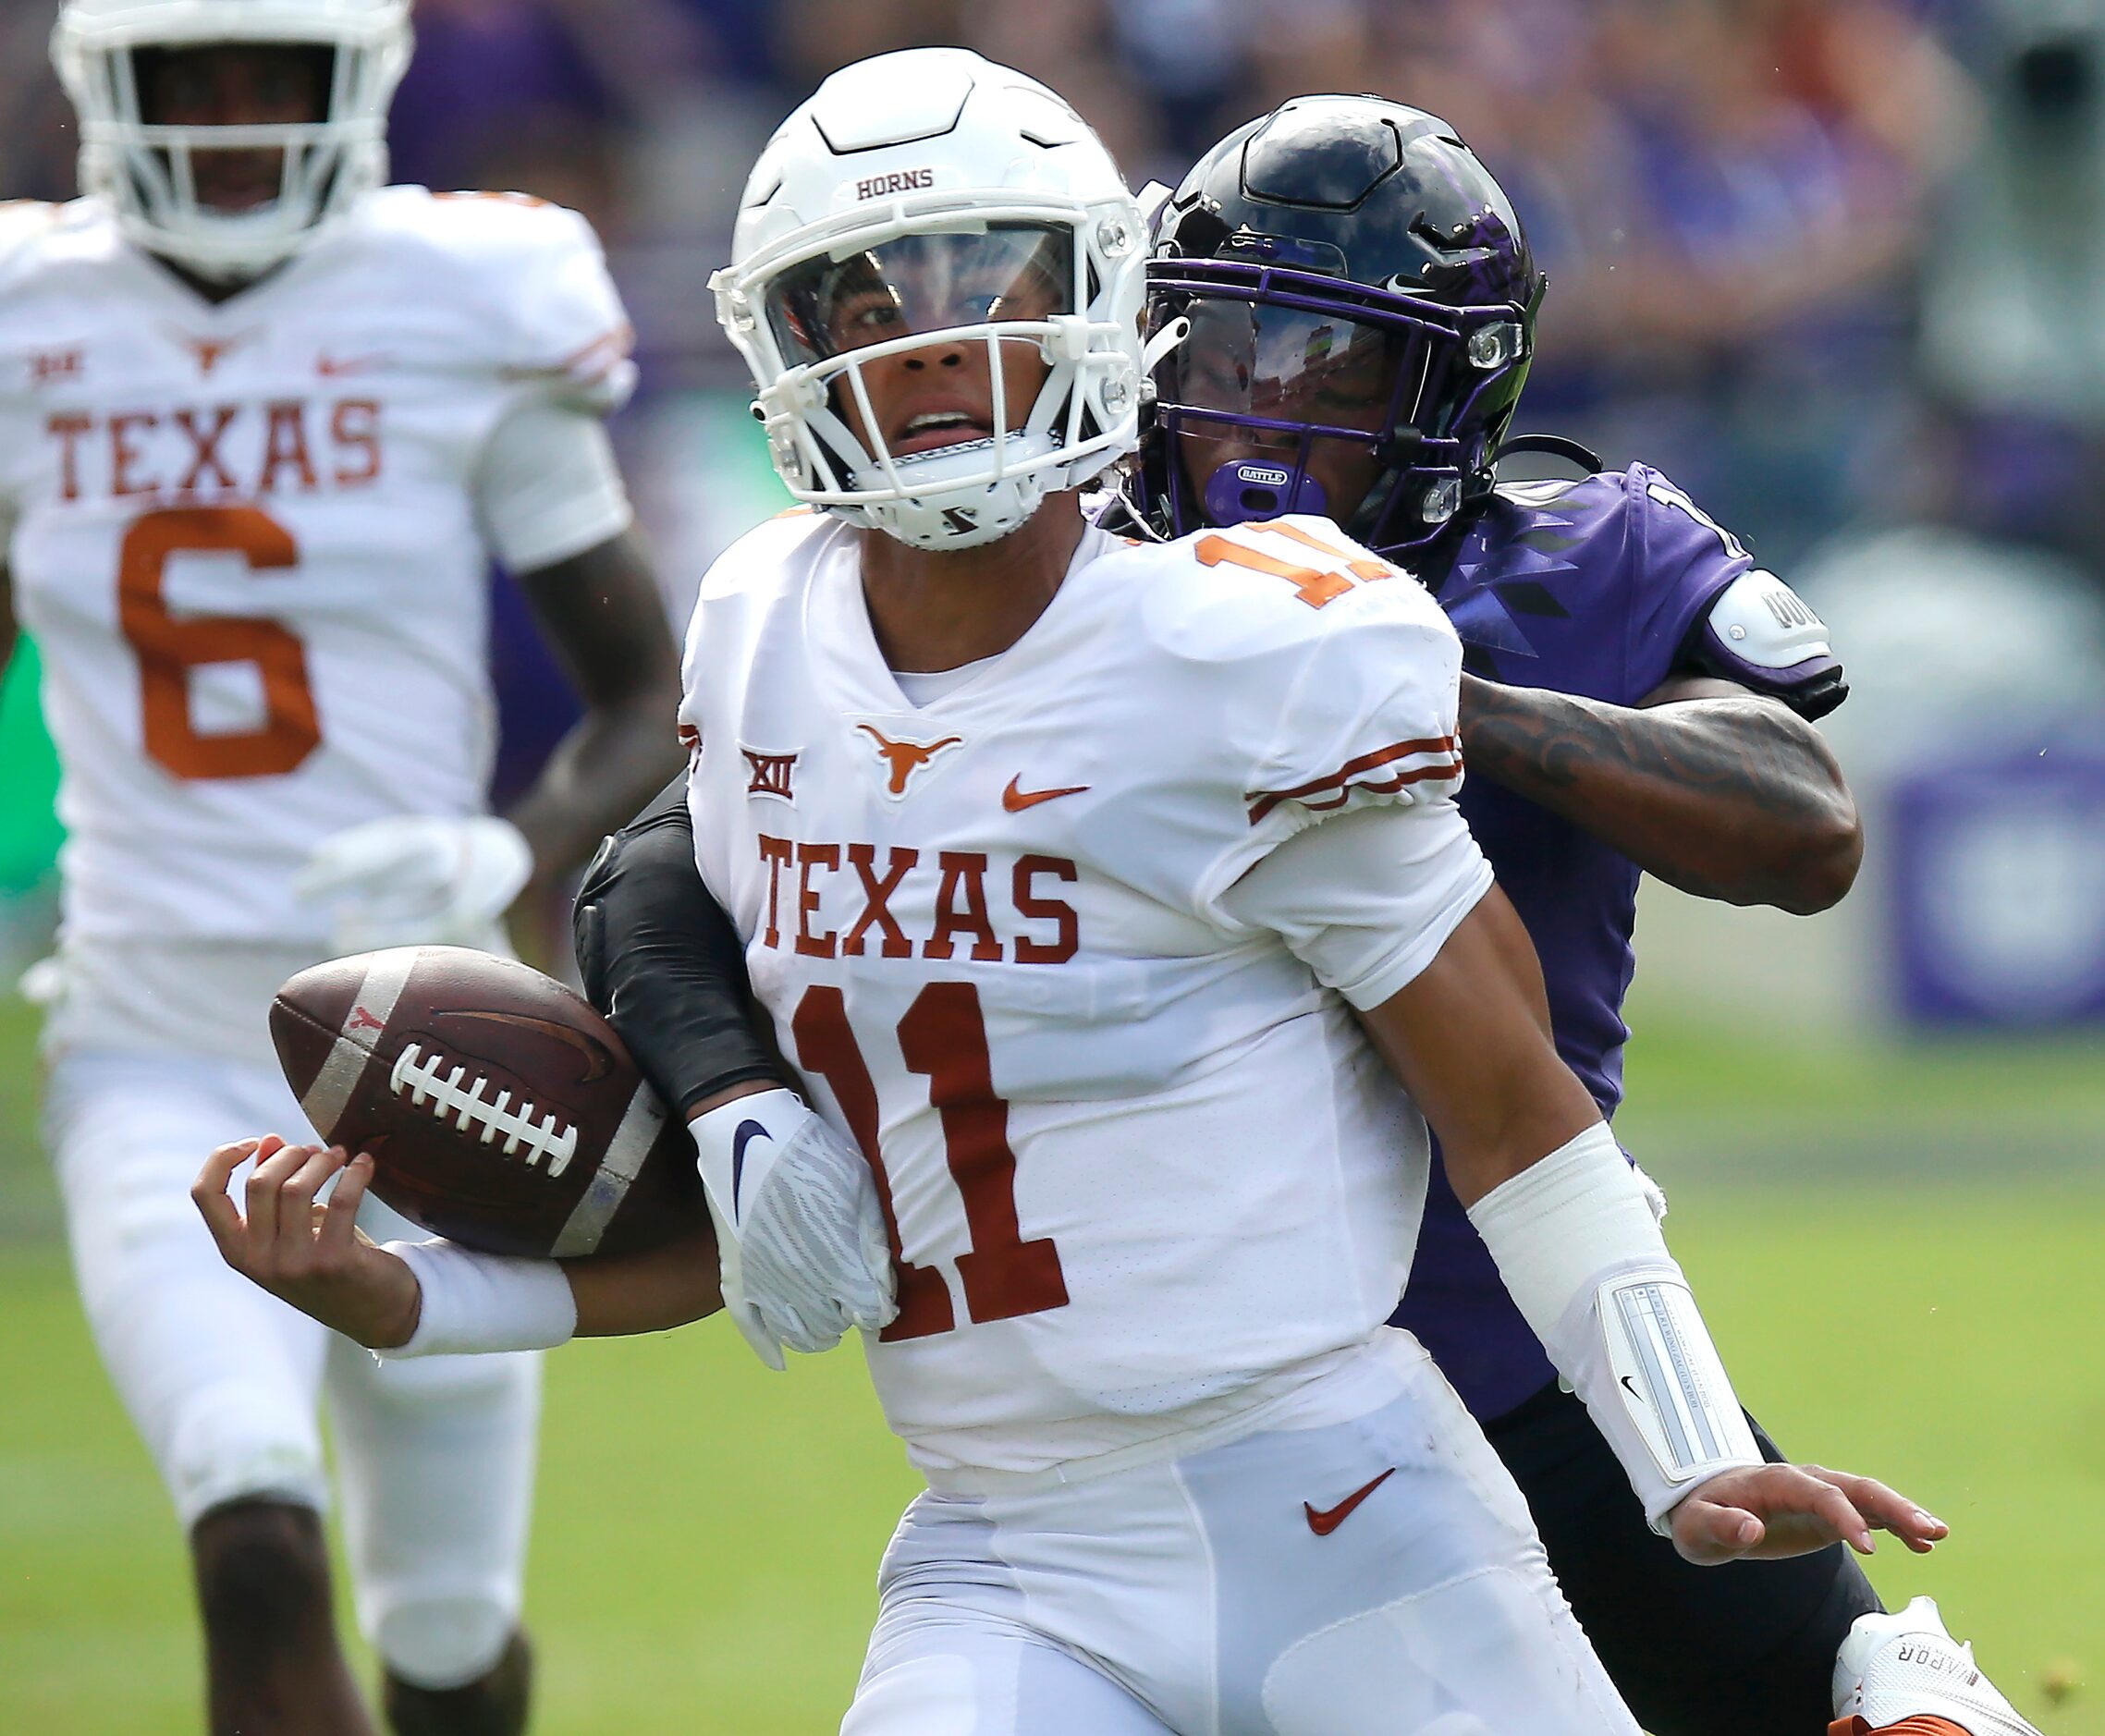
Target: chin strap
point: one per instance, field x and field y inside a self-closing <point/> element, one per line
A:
<point x="1122" y="517"/>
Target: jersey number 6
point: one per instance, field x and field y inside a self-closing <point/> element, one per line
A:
<point x="170" y="646"/>
<point x="943" y="1037"/>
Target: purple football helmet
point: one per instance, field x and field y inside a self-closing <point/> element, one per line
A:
<point x="1361" y="305"/>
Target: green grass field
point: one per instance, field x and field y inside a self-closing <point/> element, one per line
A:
<point x="1904" y="1269"/>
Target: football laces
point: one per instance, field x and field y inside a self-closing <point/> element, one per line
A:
<point x="425" y="1081"/>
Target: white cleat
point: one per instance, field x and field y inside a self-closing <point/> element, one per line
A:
<point x="1904" y="1665"/>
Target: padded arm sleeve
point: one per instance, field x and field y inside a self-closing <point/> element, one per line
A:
<point x="1761" y="634"/>
<point x="572" y="343"/>
<point x="662" y="961"/>
<point x="1578" y="1245"/>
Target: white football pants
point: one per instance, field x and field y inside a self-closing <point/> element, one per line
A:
<point x="1370" y="1572"/>
<point x="436" y="1457"/>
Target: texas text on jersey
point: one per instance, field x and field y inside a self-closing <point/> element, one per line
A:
<point x="982" y="922"/>
<point x="252" y="538"/>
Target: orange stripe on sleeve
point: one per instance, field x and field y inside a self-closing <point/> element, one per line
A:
<point x="1333" y="791"/>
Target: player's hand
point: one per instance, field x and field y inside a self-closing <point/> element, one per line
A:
<point x="1766" y="1512"/>
<point x="799" y="1230"/>
<point x="309" y="1254"/>
<point x="417" y="880"/>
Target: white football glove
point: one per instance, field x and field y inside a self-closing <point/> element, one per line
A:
<point x="798" y="1229"/>
<point x="417" y="880"/>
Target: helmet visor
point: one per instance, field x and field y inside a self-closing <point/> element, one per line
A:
<point x="1272" y="408"/>
<point x="990" y="273"/>
<point x="1263" y="365"/>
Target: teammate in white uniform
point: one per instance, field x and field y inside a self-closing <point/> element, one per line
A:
<point x="262" y="425"/>
<point x="1061" y="864"/>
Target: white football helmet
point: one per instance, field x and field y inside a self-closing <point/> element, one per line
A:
<point x="145" y="172"/>
<point x="931" y="200"/>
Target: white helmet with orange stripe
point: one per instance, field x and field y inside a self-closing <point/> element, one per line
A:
<point x="149" y="167"/>
<point x="930" y="210"/>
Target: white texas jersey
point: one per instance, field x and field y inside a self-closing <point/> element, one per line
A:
<point x="1134" y="1159"/>
<point x="247" y="539"/>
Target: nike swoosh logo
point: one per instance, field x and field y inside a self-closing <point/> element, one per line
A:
<point x="1015" y="799"/>
<point x="746" y="1133"/>
<point x="329" y="368"/>
<point x="1324" y="1523"/>
<point x="1632" y="1385"/>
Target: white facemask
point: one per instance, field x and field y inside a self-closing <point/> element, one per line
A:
<point x="147" y="174"/>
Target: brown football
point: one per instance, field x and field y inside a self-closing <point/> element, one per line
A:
<point x="501" y="1111"/>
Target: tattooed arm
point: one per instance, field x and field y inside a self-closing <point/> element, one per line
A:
<point x="1715" y="788"/>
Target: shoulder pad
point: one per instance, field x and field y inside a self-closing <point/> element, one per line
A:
<point x="24" y="223"/>
<point x="755" y="559"/>
<point x="1669" y="506"/>
<point x="1288" y="581"/>
<point x="21" y="220"/>
<point x="1589" y="507"/>
<point x="558" y="321"/>
<point x="1342" y="669"/>
<point x="1768" y="624"/>
<point x="1762" y="634"/>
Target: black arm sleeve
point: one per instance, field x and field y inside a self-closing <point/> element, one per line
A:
<point x="662" y="962"/>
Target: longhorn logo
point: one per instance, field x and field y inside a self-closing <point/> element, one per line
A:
<point x="209" y="352"/>
<point x="905" y="758"/>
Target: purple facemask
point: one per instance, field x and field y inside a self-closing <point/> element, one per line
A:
<point x="1259" y="376"/>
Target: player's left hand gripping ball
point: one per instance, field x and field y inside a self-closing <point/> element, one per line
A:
<point x="799" y="1226"/>
<point x="417" y="880"/>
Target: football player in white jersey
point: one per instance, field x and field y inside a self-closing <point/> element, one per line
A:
<point x="1063" y="864"/>
<point x="263" y="422"/>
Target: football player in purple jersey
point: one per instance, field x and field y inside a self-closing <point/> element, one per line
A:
<point x="1351" y="300"/>
<point x="1344" y="304"/>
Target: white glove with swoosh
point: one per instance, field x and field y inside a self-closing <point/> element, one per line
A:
<point x="798" y="1229"/>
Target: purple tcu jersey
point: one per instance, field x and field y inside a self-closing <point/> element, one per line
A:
<point x="1603" y="588"/>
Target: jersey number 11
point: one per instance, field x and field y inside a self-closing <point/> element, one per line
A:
<point x="943" y="1037"/>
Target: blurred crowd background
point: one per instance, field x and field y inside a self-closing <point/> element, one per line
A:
<point x="1836" y="267"/>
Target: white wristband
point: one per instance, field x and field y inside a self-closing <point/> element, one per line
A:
<point x="1578" y="1243"/>
<point x="472" y="1301"/>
